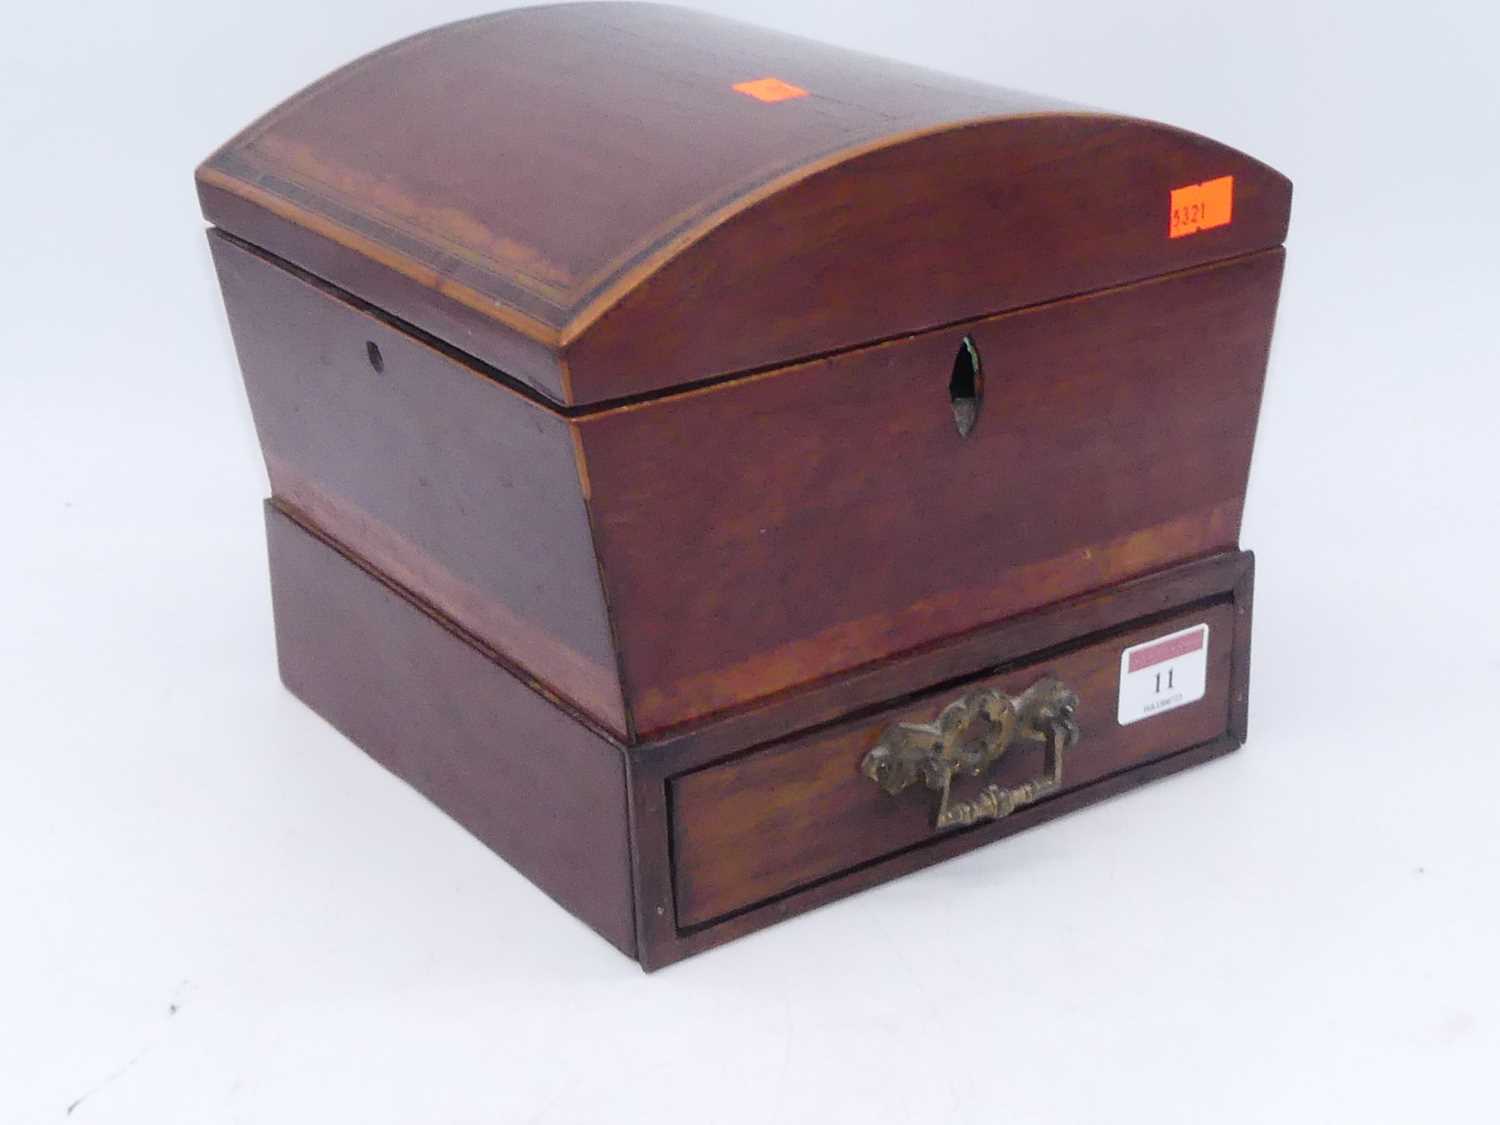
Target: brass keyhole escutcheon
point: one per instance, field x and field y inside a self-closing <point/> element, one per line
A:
<point x="966" y="387"/>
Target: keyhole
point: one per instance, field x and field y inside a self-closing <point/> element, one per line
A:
<point x="372" y="353"/>
<point x="966" y="387"/>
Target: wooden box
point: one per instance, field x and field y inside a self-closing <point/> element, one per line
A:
<point x="724" y="471"/>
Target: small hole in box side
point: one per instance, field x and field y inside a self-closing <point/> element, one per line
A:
<point x="377" y="361"/>
<point x="966" y="387"/>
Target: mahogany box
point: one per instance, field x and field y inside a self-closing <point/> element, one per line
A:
<point x="725" y="471"/>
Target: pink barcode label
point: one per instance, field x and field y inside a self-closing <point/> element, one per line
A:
<point x="1157" y="652"/>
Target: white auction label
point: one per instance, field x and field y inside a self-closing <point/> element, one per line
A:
<point x="1163" y="674"/>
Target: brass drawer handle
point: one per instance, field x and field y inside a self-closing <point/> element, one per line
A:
<point x="970" y="735"/>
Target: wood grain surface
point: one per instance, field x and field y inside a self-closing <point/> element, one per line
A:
<point x="580" y="196"/>
<point x="666" y="562"/>
<point x="1028" y="639"/>
<point x="449" y="482"/>
<point x="760" y="825"/>
<point x="769" y="531"/>
<point x="591" y="823"/>
<point x="521" y="774"/>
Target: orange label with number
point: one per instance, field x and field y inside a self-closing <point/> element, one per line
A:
<point x="1201" y="206"/>
<point x="770" y="90"/>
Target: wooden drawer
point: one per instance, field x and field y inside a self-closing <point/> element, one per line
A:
<point x="771" y="821"/>
<point x="672" y="847"/>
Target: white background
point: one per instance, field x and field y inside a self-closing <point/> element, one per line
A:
<point x="213" y="909"/>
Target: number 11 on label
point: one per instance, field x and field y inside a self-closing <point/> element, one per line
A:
<point x="1163" y="674"/>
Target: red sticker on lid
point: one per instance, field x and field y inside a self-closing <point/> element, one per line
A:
<point x="1201" y="207"/>
<point x="770" y="89"/>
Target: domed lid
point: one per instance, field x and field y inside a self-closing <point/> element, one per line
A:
<point x="608" y="200"/>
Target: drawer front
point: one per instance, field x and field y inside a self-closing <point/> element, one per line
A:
<point x="763" y="824"/>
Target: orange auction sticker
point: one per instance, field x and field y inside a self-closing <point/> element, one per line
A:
<point x="1201" y="206"/>
<point x="770" y="89"/>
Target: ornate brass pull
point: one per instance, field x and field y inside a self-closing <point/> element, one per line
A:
<point x="969" y="736"/>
